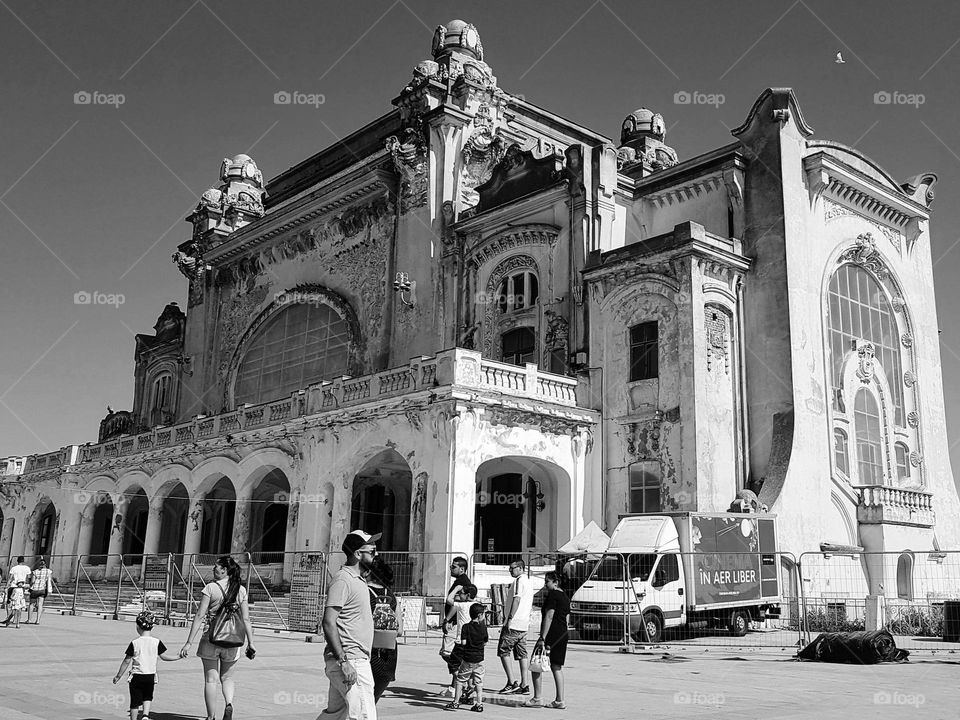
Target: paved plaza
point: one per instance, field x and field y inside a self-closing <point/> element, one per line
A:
<point x="62" y="670"/>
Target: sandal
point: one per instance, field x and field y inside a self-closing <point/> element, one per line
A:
<point x="477" y="708"/>
<point x="452" y="706"/>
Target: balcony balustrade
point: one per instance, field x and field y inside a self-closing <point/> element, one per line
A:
<point x="456" y="368"/>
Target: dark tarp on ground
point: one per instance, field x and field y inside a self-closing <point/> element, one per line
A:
<point x="864" y="647"/>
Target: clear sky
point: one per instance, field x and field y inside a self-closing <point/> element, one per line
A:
<point x="93" y="196"/>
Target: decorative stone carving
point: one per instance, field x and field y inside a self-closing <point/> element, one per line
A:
<point x="909" y="378"/>
<point x="916" y="459"/>
<point x="511" y="264"/>
<point x="865" y="254"/>
<point x="913" y="419"/>
<point x="898" y="304"/>
<point x="468" y="372"/>
<point x="866" y="354"/>
<point x="556" y="339"/>
<point x="717" y="333"/>
<point x="410" y="159"/>
<point x="191" y="266"/>
<point x="481" y="153"/>
<point x="833" y="210"/>
<point x="514" y="238"/>
<point x="907" y="340"/>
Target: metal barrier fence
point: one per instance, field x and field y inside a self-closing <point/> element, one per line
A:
<point x="903" y="592"/>
<point x="615" y="598"/>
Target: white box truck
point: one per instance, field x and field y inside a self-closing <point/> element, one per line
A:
<point x="668" y="570"/>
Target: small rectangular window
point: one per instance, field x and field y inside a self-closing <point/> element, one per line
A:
<point x="645" y="487"/>
<point x="644" y="351"/>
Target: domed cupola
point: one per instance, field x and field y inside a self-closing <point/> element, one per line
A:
<point x="642" y="123"/>
<point x="642" y="149"/>
<point x="457" y="36"/>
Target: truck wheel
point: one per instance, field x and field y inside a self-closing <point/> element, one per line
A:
<point x="739" y="623"/>
<point x="654" y="629"/>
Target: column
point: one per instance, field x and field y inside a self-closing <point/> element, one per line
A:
<point x="191" y="541"/>
<point x="151" y="540"/>
<point x="115" y="547"/>
<point x="240" y="542"/>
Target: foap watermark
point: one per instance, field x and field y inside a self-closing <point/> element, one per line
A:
<point x="295" y="97"/>
<point x="95" y="97"/>
<point x="84" y="498"/>
<point x="500" y="498"/>
<point x="886" y="697"/>
<point x="695" y="97"/>
<point x="116" y="700"/>
<point x="284" y="697"/>
<point x="698" y="698"/>
<point x="895" y="97"/>
<point x="83" y="297"/>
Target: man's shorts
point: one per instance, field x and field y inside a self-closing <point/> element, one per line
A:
<point x="470" y="673"/>
<point x="208" y="651"/>
<point x="141" y="689"/>
<point x="514" y="641"/>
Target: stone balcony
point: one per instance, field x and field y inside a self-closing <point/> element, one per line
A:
<point x="457" y="370"/>
<point x="896" y="506"/>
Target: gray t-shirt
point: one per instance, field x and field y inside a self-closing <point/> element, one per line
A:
<point x="349" y="593"/>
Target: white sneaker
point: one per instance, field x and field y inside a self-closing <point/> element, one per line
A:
<point x="446" y="692"/>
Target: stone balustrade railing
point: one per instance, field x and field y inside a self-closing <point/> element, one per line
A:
<point x="456" y="368"/>
<point x="877" y="495"/>
<point x="884" y="504"/>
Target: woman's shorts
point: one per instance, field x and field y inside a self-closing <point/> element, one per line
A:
<point x="558" y="649"/>
<point x="141" y="689"/>
<point x="208" y="651"/>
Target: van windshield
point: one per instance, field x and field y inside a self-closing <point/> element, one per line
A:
<point x="610" y="568"/>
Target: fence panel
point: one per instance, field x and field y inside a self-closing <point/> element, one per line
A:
<point x="903" y="592"/>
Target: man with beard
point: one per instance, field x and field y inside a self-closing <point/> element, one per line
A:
<point x="348" y="629"/>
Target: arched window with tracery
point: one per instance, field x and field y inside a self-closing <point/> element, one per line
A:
<point x="300" y="345"/>
<point x="870" y="371"/>
<point x="860" y="311"/>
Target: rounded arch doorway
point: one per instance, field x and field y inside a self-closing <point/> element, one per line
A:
<point x="381" y="500"/>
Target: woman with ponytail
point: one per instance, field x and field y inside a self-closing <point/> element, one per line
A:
<point x="219" y="659"/>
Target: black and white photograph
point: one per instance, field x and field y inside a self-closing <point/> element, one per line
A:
<point x="391" y="358"/>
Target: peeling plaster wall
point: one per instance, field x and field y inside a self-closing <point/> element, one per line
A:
<point x="642" y="418"/>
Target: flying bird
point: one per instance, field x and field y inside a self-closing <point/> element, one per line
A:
<point x="839" y="58"/>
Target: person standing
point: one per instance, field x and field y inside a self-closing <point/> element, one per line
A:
<point x="383" y="604"/>
<point x="41" y="585"/>
<point x="553" y="640"/>
<point x="348" y="630"/>
<point x="473" y="640"/>
<point x="458" y="571"/>
<point x="143" y="654"/>
<point x="18" y="576"/>
<point x="513" y="634"/>
<point x="218" y="661"/>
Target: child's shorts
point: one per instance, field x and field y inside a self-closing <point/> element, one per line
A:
<point x="470" y="673"/>
<point x="141" y="689"/>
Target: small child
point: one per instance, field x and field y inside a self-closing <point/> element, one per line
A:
<point x="459" y="615"/>
<point x="143" y="652"/>
<point x="18" y="602"/>
<point x="473" y="639"/>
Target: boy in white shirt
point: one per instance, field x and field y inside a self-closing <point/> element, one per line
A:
<point x="143" y="653"/>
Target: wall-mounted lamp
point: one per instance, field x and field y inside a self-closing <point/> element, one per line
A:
<point x="537" y="493"/>
<point x="406" y="287"/>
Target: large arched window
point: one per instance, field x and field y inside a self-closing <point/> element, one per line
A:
<point x="303" y="344"/>
<point x="866" y="418"/>
<point x="860" y="311"/>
